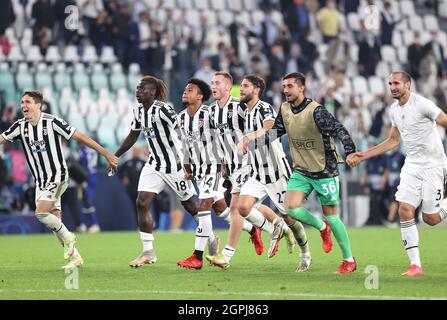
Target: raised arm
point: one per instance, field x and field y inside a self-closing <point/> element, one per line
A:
<point x="113" y="160"/>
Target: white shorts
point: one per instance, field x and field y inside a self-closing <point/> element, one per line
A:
<point x="155" y="181"/>
<point x="211" y="186"/>
<point x="52" y="192"/>
<point x="239" y="177"/>
<point x="422" y="185"/>
<point x="276" y="191"/>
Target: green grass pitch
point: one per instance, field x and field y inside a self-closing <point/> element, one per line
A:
<point x="30" y="268"/>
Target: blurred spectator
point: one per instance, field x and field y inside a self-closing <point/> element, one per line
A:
<point x="268" y="30"/>
<point x="120" y="34"/>
<point x="351" y="116"/>
<point x="369" y="55"/>
<point x="415" y="53"/>
<point x="297" y="62"/>
<point x="15" y="158"/>
<point x="337" y="54"/>
<point x="308" y="49"/>
<point x="140" y="35"/>
<point x="42" y="15"/>
<point x="7" y="16"/>
<point x="216" y="35"/>
<point x="434" y="48"/>
<point x="274" y="96"/>
<point x="8" y="118"/>
<point x="101" y="35"/>
<point x="351" y="6"/>
<point x="5" y="45"/>
<point x="387" y="24"/>
<point x="394" y="163"/>
<point x="156" y="50"/>
<point x="90" y="10"/>
<point x="205" y="72"/>
<point x="277" y="64"/>
<point x="374" y="181"/>
<point x="129" y="172"/>
<point x="88" y="158"/>
<point x="62" y="32"/>
<point x="237" y="68"/>
<point x="328" y="19"/>
<point x="296" y="17"/>
<point x="330" y="102"/>
<point x="428" y="75"/>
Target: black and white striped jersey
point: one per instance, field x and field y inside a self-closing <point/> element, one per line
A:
<point x="42" y="145"/>
<point x="268" y="163"/>
<point x="159" y="124"/>
<point x="200" y="141"/>
<point x="229" y="123"/>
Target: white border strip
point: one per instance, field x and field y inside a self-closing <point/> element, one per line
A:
<point x="227" y="293"/>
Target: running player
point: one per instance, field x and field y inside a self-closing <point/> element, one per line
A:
<point x="164" y="166"/>
<point x="203" y="163"/>
<point x="228" y="117"/>
<point x="270" y="169"/>
<point x="311" y="130"/>
<point x="41" y="137"/>
<point x="423" y="176"/>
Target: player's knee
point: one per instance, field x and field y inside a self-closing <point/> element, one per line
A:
<point x="244" y="209"/>
<point x="206" y="204"/>
<point x="406" y="213"/>
<point x="430" y="219"/>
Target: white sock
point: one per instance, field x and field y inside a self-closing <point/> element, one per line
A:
<point x="146" y="240"/>
<point x="256" y="217"/>
<point x="225" y="215"/>
<point x="248" y="226"/>
<point x="410" y="238"/>
<point x="211" y="236"/>
<point x="300" y="236"/>
<point x="228" y="252"/>
<point x="203" y="230"/>
<point x="54" y="223"/>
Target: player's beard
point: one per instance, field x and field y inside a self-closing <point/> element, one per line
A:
<point x="247" y="98"/>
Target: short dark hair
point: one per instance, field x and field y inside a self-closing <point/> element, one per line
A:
<point x="298" y="76"/>
<point x="257" y="81"/>
<point x="224" y="74"/>
<point x="404" y="74"/>
<point x="204" y="88"/>
<point x="36" y="95"/>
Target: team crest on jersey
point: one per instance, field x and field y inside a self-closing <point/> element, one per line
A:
<point x="200" y="123"/>
<point x="45" y="131"/>
<point x="230" y="114"/>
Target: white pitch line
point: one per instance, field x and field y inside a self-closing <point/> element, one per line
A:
<point x="224" y="293"/>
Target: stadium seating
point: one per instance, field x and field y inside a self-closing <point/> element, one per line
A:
<point x="23" y="78"/>
<point x="43" y="77"/>
<point x="7" y="83"/>
<point x="80" y="77"/>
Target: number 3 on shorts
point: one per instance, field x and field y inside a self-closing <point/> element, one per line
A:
<point x="328" y="188"/>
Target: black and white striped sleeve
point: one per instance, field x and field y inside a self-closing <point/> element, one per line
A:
<point x="136" y="122"/>
<point x="13" y="132"/>
<point x="62" y="127"/>
<point x="168" y="114"/>
<point x="266" y="112"/>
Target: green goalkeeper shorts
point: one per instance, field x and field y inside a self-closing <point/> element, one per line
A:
<point x="328" y="190"/>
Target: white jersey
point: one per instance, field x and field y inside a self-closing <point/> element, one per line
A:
<point x="418" y="130"/>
